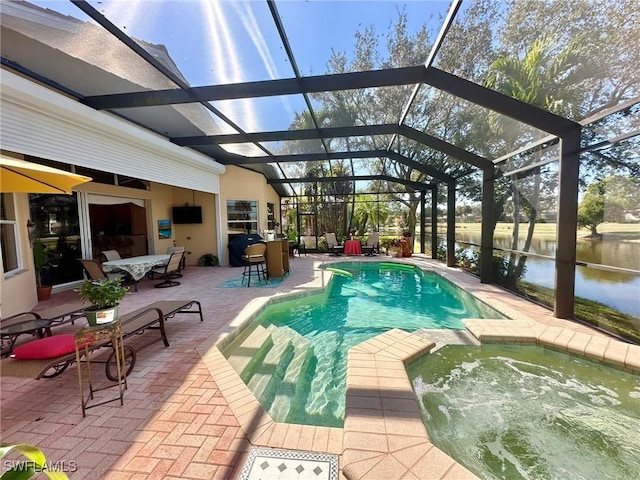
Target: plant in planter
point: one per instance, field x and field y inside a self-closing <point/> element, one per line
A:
<point x="395" y="246"/>
<point x="208" y="260"/>
<point x="104" y="296"/>
<point x="41" y="258"/>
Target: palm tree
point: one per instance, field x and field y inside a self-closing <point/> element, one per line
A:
<point x="544" y="76"/>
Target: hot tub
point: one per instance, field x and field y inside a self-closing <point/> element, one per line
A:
<point x="509" y="412"/>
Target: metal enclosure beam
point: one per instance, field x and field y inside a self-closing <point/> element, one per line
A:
<point x="437" y="174"/>
<point x="231" y="159"/>
<point x="434" y="222"/>
<point x="283" y="135"/>
<point x="423" y="220"/>
<point x="445" y="147"/>
<point x="499" y="102"/>
<point x="387" y="178"/>
<point x="451" y="224"/>
<point x="486" y="236"/>
<point x="567" y="224"/>
<point x="265" y="88"/>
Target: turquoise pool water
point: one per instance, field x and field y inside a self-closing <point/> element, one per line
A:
<point x="525" y="412"/>
<point x="372" y="299"/>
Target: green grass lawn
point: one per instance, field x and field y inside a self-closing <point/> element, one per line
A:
<point x="611" y="231"/>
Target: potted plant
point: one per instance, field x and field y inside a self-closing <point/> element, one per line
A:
<point x="41" y="257"/>
<point x="395" y="247"/>
<point x="104" y="296"/>
<point x="208" y="260"/>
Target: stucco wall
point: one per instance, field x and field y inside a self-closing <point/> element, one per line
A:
<point x="236" y="184"/>
<point x="242" y="184"/>
<point x="198" y="238"/>
<point x="19" y="288"/>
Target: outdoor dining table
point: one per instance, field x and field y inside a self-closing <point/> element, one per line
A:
<point x="352" y="247"/>
<point x="137" y="267"/>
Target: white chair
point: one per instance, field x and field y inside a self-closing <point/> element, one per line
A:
<point x="297" y="247"/>
<point x="332" y="244"/>
<point x="372" y="246"/>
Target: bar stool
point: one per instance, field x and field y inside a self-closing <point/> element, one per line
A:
<point x="254" y="255"/>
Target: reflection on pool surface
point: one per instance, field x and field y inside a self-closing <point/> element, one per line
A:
<point x="300" y="377"/>
<point x="508" y="412"/>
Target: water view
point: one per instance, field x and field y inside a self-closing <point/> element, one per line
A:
<point x="619" y="290"/>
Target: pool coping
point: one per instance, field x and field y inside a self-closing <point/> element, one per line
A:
<point x="383" y="434"/>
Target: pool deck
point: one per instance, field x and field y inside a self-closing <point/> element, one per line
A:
<point x="188" y="415"/>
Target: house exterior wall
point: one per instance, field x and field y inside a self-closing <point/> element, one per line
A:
<point x="198" y="238"/>
<point x="39" y="122"/>
<point x="242" y="184"/>
<point x="18" y="289"/>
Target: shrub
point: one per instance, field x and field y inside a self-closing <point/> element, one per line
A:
<point x="208" y="260"/>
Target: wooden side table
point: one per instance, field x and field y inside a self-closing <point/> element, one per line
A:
<point x="88" y="339"/>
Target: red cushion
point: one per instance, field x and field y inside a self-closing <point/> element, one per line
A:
<point x="48" y="347"/>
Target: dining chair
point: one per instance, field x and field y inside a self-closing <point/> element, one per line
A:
<point x="183" y="263"/>
<point x="255" y="255"/>
<point x="169" y="271"/>
<point x="332" y="244"/>
<point x="94" y="271"/>
<point x="372" y="246"/>
<point x="297" y="247"/>
<point x="111" y="255"/>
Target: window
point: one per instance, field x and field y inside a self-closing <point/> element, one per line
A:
<point x="242" y="216"/>
<point x="57" y="224"/>
<point x="271" y="216"/>
<point x="9" y="234"/>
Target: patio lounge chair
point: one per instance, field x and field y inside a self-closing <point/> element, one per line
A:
<point x="59" y="315"/>
<point x="134" y="322"/>
<point x="332" y="244"/>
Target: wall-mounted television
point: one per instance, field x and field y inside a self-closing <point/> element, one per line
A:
<point x="187" y="214"/>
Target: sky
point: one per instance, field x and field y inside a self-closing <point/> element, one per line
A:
<point x="217" y="42"/>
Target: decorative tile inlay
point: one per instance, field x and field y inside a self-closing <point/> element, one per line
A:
<point x="272" y="464"/>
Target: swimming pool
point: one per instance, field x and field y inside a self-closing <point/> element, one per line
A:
<point x="526" y="412"/>
<point x="299" y="346"/>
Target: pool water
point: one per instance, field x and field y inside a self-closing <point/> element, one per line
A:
<point x="525" y="412"/>
<point x="362" y="301"/>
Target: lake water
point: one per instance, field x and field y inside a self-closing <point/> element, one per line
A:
<point x="618" y="290"/>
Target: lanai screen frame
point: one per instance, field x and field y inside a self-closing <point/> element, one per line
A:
<point x="566" y="131"/>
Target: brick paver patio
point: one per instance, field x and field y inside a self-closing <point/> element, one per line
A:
<point x="176" y="422"/>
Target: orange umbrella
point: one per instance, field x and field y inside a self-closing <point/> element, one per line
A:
<point x="18" y="176"/>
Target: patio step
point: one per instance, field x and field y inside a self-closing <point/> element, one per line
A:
<point x="293" y="386"/>
<point x="270" y="371"/>
<point x="249" y="352"/>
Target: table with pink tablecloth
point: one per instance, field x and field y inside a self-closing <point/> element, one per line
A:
<point x="352" y="247"/>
